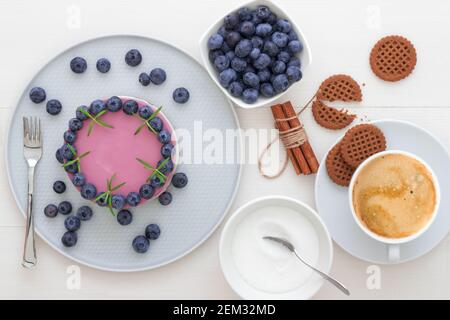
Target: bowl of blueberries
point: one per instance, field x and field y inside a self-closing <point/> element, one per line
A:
<point x="255" y="54"/>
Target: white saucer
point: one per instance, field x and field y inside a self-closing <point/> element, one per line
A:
<point x="333" y="207"/>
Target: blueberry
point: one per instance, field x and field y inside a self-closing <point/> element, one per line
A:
<point x="230" y="55"/>
<point x="255" y="19"/>
<point x="233" y="38"/>
<point x="292" y="35"/>
<point x="166" y="150"/>
<point x="165" y="198"/>
<point x="280" y="39"/>
<point x="158" y="76"/>
<point x="284" y="56"/>
<point x="225" y="47"/>
<point x="262" y="62"/>
<point x="101" y="201"/>
<point x="114" y="104"/>
<point x="257" y="42"/>
<point x="249" y="68"/>
<point x="283" y="25"/>
<point x="59" y="155"/>
<point x="146" y="191"/>
<point x="75" y="124"/>
<point x="53" y="107"/>
<point x="152" y="231"/>
<point x="51" y="211"/>
<point x="263" y="12"/>
<point x="295" y="46"/>
<point x="278" y="67"/>
<point x="72" y="223"/>
<point x="70" y="136"/>
<point x="231" y="21"/>
<point x="78" y="179"/>
<point x="263" y="30"/>
<point x="130" y="107"/>
<point x="236" y="89"/>
<point x="96" y="107"/>
<point x="84" y="213"/>
<point x="69" y="239"/>
<point x="133" y="199"/>
<point x="37" y="95"/>
<point x="141" y="244"/>
<point x="71" y="168"/>
<point x="272" y="19"/>
<point x="103" y="65"/>
<point x="156" y="123"/>
<point x="78" y="65"/>
<point x="144" y="79"/>
<point x="245" y="14"/>
<point x="65" y="207"/>
<point x="181" y="95"/>
<point x="79" y="114"/>
<point x="247" y="29"/>
<point x="250" y="95"/>
<point x="167" y="168"/>
<point x="67" y="152"/>
<point x="267" y="90"/>
<point x="133" y="58"/>
<point x="221" y="63"/>
<point x="293" y="74"/>
<point x="243" y="48"/>
<point x="251" y="79"/>
<point x="227" y="76"/>
<point x="179" y="180"/>
<point x="156" y="182"/>
<point x="222" y="31"/>
<point x="255" y="53"/>
<point x="145" y="112"/>
<point x="294" y="62"/>
<point x="59" y="186"/>
<point x="215" y="41"/>
<point x="280" y="83"/>
<point x="213" y="54"/>
<point x="118" y="201"/>
<point x="271" y="48"/>
<point x="124" y="217"/>
<point x="88" y="191"/>
<point x="264" y="75"/>
<point x="238" y="64"/>
<point x="164" y="136"/>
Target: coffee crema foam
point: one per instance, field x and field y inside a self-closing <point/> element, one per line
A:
<point x="394" y="196"/>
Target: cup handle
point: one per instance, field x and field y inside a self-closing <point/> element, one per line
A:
<point x="393" y="253"/>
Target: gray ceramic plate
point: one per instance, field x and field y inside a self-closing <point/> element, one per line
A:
<point x="195" y="211"/>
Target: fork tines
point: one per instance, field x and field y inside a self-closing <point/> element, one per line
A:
<point x="32" y="130"/>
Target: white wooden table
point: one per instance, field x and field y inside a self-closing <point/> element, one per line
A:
<point x="340" y="33"/>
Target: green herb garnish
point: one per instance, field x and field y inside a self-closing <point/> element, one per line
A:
<point x="77" y="158"/>
<point x="155" y="171"/>
<point x="96" y="120"/>
<point x="146" y="122"/>
<point x="107" y="196"/>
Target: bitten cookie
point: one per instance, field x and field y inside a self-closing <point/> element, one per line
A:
<point x="338" y="170"/>
<point x="331" y="118"/>
<point x="393" y="58"/>
<point x="339" y="87"/>
<point x="361" y="142"/>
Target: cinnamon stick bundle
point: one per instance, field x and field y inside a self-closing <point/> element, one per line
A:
<point x="303" y="158"/>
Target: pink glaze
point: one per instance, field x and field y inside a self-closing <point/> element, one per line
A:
<point x="114" y="151"/>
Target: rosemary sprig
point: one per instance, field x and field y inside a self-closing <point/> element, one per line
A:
<point x="77" y="158"/>
<point x="107" y="196"/>
<point x="146" y="122"/>
<point x="155" y="171"/>
<point x="96" y="120"/>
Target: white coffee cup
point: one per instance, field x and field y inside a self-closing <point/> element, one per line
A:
<point x="393" y="244"/>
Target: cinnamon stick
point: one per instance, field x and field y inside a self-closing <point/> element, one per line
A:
<point x="306" y="148"/>
<point x="295" y="154"/>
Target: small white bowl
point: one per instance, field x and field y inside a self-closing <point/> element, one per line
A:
<point x="305" y="54"/>
<point x="231" y="272"/>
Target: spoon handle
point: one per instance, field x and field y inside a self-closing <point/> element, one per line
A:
<point x="336" y="283"/>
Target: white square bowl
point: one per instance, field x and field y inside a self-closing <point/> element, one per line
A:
<point x="304" y="55"/>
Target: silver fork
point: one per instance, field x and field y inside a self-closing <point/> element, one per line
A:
<point x="32" y="151"/>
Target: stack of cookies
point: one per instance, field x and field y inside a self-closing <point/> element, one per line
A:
<point x="358" y="144"/>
